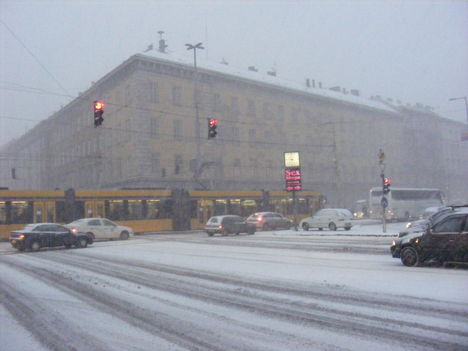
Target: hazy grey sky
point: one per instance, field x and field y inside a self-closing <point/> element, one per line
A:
<point x="411" y="51"/>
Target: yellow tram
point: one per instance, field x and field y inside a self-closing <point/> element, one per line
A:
<point x="145" y="210"/>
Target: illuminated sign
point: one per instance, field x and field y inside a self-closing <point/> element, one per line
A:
<point x="291" y="160"/>
<point x="293" y="179"/>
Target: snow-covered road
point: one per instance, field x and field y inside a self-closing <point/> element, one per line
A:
<point x="281" y="290"/>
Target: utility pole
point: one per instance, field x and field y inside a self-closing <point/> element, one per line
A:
<point x="384" y="201"/>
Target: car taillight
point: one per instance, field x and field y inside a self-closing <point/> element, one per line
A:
<point x="259" y="219"/>
<point x="74" y="230"/>
<point x="220" y="227"/>
<point x="21" y="236"/>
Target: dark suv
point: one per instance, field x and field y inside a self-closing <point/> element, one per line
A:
<point x="445" y="241"/>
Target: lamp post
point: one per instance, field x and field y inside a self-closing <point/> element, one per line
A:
<point x="194" y="48"/>
<point x="466" y="104"/>
<point x="197" y="166"/>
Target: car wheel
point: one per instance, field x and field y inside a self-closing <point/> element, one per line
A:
<point x="124" y="235"/>
<point x="20" y="248"/>
<point x="305" y="226"/>
<point x="409" y="257"/>
<point x="35" y="246"/>
<point x="82" y="243"/>
<point x="209" y="234"/>
<point x="332" y="226"/>
<point x="347" y="228"/>
<point x="68" y="246"/>
<point x="320" y="228"/>
<point x="91" y="235"/>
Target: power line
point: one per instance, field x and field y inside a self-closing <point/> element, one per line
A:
<point x="34" y="56"/>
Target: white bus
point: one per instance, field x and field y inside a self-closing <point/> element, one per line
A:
<point x="404" y="203"/>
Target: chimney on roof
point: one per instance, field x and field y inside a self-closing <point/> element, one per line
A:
<point x="307" y="82"/>
<point x="253" y="69"/>
<point x="272" y="73"/>
<point x="162" y="42"/>
<point x="354" y="92"/>
<point x="337" y="88"/>
<point x="224" y="62"/>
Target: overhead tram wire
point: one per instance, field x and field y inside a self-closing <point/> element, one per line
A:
<point x="138" y="108"/>
<point x="34" y="56"/>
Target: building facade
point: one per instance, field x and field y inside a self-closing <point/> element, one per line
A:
<point x="154" y="135"/>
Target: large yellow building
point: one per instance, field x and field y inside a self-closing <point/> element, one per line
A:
<point x="154" y="135"/>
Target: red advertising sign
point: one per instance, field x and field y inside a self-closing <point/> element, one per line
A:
<point x="293" y="179"/>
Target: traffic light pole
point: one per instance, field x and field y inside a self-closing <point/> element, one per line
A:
<point x="383" y="203"/>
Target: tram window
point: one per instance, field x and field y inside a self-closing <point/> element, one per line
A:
<point x="2" y="212"/>
<point x="152" y="209"/>
<point x="166" y="209"/>
<point x="50" y="214"/>
<point x="21" y="212"/>
<point x="60" y="211"/>
<point x="135" y="209"/>
<point x="248" y="207"/>
<point x="235" y="207"/>
<point x="193" y="209"/>
<point x="116" y="210"/>
<point x="78" y="210"/>
<point x="219" y="207"/>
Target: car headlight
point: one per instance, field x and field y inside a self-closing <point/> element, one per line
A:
<point x="408" y="225"/>
<point x="393" y="243"/>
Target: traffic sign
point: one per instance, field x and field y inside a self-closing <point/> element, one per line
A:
<point x="384" y="202"/>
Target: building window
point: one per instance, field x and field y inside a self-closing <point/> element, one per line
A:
<point x="153" y="92"/>
<point x="251" y="108"/>
<point x="177" y="129"/>
<point x="155" y="162"/>
<point x="267" y="113"/>
<point x="154" y="127"/>
<point x="177" y="96"/>
<point x="280" y="113"/>
<point x="235" y="106"/>
<point x="178" y="163"/>
<point x="252" y="137"/>
<point x="217" y="104"/>
<point x="237" y="167"/>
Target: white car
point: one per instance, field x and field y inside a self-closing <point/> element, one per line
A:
<point x="101" y="228"/>
<point x="331" y="218"/>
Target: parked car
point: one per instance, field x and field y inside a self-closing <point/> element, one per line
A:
<point x="101" y="228"/>
<point x="269" y="220"/>
<point x="228" y="224"/>
<point x="331" y="218"/>
<point x="34" y="236"/>
<point x="446" y="240"/>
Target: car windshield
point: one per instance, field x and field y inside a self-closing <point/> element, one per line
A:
<point x="78" y="221"/>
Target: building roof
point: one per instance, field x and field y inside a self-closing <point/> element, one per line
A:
<point x="267" y="79"/>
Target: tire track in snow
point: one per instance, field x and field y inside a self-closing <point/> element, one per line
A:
<point x="281" y="308"/>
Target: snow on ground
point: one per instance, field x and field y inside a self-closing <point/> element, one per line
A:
<point x="277" y="290"/>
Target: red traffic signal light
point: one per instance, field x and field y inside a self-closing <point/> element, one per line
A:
<point x="386" y="185"/>
<point x="99" y="105"/>
<point x="98" y="112"/>
<point x="212" y="125"/>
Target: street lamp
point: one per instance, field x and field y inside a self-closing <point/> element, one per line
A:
<point x="466" y="104"/>
<point x="197" y="168"/>
<point x="194" y="48"/>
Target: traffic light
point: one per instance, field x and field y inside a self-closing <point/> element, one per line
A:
<point x="386" y="185"/>
<point x="212" y="125"/>
<point x="98" y="112"/>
